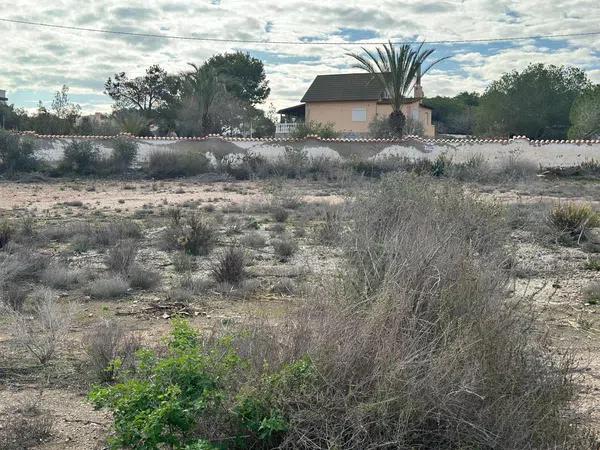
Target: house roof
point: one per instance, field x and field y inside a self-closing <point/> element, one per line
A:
<point x="293" y="110"/>
<point x="344" y="87"/>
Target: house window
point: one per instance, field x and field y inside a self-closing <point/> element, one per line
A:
<point x="359" y="114"/>
<point x="415" y="115"/>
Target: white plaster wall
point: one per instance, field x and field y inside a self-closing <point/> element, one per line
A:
<point x="544" y="153"/>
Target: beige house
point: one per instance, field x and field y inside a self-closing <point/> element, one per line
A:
<point x="351" y="102"/>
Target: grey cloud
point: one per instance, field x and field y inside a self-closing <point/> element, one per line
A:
<point x="129" y="12"/>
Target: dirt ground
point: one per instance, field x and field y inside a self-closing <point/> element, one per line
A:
<point x="554" y="277"/>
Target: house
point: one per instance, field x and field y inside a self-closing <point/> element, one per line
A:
<point x="350" y="102"/>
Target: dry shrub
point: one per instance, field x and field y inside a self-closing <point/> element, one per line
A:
<point x="19" y="264"/>
<point x="182" y="262"/>
<point x="415" y="344"/>
<point x="58" y="276"/>
<point x="592" y="293"/>
<point x="253" y="240"/>
<point x="109" y="347"/>
<point x="108" y="287"/>
<point x="85" y="235"/>
<point x="142" y="278"/>
<point x="6" y="233"/>
<point x="25" y="426"/>
<point x="329" y="231"/>
<point x="230" y="266"/>
<point x="121" y="257"/>
<point x="285" y="248"/>
<point x="572" y="220"/>
<point x="42" y="329"/>
<point x="171" y="164"/>
<point x="194" y="235"/>
<point x="280" y="214"/>
<point x="13" y="296"/>
<point x="517" y="169"/>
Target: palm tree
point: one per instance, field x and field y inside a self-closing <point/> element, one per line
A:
<point x="200" y="89"/>
<point x="397" y="69"/>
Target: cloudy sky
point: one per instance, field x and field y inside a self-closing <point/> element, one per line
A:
<point x="36" y="61"/>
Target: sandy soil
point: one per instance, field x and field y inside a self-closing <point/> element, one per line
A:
<point x="556" y="283"/>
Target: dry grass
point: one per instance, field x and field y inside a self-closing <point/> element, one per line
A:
<point x="42" y="329"/>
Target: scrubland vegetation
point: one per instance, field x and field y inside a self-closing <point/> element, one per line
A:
<point x="297" y="302"/>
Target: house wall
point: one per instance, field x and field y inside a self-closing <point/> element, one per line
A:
<point x="340" y="114"/>
<point x="495" y="151"/>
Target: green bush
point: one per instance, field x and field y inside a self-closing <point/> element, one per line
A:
<point x="171" y="164"/>
<point x="123" y="153"/>
<point x="17" y="154"/>
<point x="81" y="157"/>
<point x="312" y="128"/>
<point x="193" y="396"/>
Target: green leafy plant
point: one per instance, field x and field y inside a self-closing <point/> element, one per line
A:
<point x="177" y="397"/>
<point x="17" y="154"/>
<point x="81" y="157"/>
<point x="123" y="153"/>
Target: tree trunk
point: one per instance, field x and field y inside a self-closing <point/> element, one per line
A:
<point x="397" y="122"/>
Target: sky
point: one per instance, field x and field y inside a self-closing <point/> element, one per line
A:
<point x="37" y="61"/>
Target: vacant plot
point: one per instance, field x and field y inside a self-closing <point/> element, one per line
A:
<point x="412" y="312"/>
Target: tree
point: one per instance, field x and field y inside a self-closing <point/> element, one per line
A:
<point x="145" y="94"/>
<point x="535" y="102"/>
<point x="12" y="118"/>
<point x="200" y="88"/>
<point x="585" y="115"/>
<point x="63" y="107"/>
<point x="243" y="76"/>
<point x="397" y="69"/>
<point x="455" y="115"/>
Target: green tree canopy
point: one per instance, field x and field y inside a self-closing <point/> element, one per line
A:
<point x="454" y="115"/>
<point x="535" y="102"/>
<point x="585" y="115"/>
<point x="145" y="94"/>
<point x="243" y="75"/>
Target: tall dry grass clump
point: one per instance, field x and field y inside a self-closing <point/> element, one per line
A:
<point x="418" y="345"/>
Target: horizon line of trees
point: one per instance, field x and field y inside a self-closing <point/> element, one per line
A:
<point x="222" y="95"/>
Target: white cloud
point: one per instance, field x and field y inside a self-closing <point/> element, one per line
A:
<point x="41" y="60"/>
